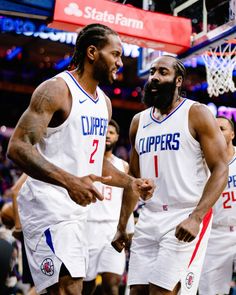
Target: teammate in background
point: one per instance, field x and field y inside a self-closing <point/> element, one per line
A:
<point x="13" y="193"/>
<point x="172" y="141"/>
<point x="17" y="231"/>
<point x="102" y="222"/>
<point x="59" y="142"/>
<point x="217" y="269"/>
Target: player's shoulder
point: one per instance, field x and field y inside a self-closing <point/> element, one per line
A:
<point x="107" y="100"/>
<point x="126" y="165"/>
<point x="202" y="119"/>
<point x="122" y="163"/>
<point x="136" y="118"/>
<point x="143" y="115"/>
<point x="52" y="93"/>
<point x="55" y="85"/>
<point x="197" y="107"/>
<point x="102" y="93"/>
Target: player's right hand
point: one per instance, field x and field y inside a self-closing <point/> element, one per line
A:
<point x="145" y="187"/>
<point x="120" y="241"/>
<point x="84" y="192"/>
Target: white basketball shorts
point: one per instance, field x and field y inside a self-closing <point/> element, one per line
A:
<point x="158" y="257"/>
<point x="102" y="256"/>
<point x="62" y="243"/>
<point x="217" y="269"/>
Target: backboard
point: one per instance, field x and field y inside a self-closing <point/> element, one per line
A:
<point x="213" y="24"/>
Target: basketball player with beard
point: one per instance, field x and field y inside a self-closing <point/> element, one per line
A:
<point x="102" y="222"/>
<point x="59" y="143"/>
<point x="178" y="144"/>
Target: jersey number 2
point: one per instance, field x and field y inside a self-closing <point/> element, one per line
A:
<point x="95" y="144"/>
<point x="229" y="197"/>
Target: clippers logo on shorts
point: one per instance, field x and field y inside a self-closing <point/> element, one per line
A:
<point x="47" y="267"/>
<point x="189" y="280"/>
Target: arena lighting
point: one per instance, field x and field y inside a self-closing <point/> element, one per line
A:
<point x="36" y="30"/>
<point x="227" y="112"/>
<point x="117" y="91"/>
<point x="13" y="52"/>
<point x="61" y="64"/>
<point x="134" y="93"/>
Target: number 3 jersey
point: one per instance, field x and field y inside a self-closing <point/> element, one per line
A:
<point x="224" y="210"/>
<point x="109" y="209"/>
<point x="77" y="146"/>
<point x="172" y="157"/>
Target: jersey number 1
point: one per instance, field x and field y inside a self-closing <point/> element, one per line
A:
<point x="156" y="165"/>
<point x="95" y="144"/>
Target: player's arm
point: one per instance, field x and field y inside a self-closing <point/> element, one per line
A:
<point x="14" y="191"/>
<point x="13" y="209"/>
<point x="130" y="223"/>
<point x="143" y="187"/>
<point x="130" y="198"/>
<point x="50" y="98"/>
<point x="204" y="128"/>
<point x="32" y="126"/>
<point x="129" y="201"/>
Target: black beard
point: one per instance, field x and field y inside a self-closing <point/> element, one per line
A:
<point x="101" y="71"/>
<point x="110" y="147"/>
<point x="162" y="98"/>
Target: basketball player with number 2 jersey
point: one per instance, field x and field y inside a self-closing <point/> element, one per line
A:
<point x="59" y="142"/>
<point x="53" y="201"/>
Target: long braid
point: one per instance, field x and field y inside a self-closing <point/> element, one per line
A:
<point x="180" y="69"/>
<point x="93" y="34"/>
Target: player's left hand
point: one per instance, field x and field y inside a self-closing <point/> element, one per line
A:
<point x="188" y="229"/>
<point x="144" y="187"/>
<point x="120" y="241"/>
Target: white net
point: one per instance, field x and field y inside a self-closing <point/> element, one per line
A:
<point x="220" y="63"/>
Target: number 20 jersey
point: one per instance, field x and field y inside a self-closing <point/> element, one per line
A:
<point x="172" y="157"/>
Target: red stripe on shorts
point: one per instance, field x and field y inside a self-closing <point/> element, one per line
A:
<point x="205" y="224"/>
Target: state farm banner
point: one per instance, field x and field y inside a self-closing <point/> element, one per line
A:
<point x="135" y="26"/>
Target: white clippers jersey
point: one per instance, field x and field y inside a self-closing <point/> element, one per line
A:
<point x="172" y="157"/>
<point x="224" y="210"/>
<point x="109" y="208"/>
<point x="76" y="146"/>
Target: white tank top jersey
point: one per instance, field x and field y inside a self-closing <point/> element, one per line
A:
<point x="224" y="210"/>
<point x="172" y="157"/>
<point x="109" y="208"/>
<point x="76" y="146"/>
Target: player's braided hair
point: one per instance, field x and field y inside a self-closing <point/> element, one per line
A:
<point x="178" y="66"/>
<point x="93" y="34"/>
<point x="179" y="69"/>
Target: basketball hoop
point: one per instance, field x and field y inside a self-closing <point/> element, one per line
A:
<point x="220" y="63"/>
